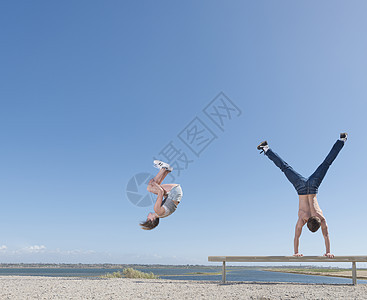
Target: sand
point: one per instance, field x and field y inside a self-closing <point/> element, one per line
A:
<point x="29" y="287"/>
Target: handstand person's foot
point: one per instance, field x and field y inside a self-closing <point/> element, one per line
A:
<point x="343" y="136"/>
<point x="160" y="164"/>
<point x="263" y="146"/>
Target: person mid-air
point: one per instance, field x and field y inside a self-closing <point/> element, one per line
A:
<point x="309" y="210"/>
<point x="168" y="196"/>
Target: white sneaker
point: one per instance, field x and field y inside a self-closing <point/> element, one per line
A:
<point x="160" y="164"/>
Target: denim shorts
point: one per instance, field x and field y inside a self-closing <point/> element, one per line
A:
<point x="169" y="204"/>
<point x="175" y="194"/>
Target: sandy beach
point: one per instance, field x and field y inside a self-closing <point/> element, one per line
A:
<point x="22" y="287"/>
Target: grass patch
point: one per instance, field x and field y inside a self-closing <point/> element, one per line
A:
<point x="316" y="270"/>
<point x="113" y="275"/>
<point x="344" y="273"/>
<point x="203" y="273"/>
<point x="131" y="273"/>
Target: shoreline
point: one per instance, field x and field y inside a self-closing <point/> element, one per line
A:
<point x="115" y="266"/>
<point x="342" y="273"/>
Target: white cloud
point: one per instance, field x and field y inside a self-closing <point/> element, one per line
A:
<point x="40" y="253"/>
<point x="32" y="249"/>
<point x="36" y="248"/>
<point x="76" y="251"/>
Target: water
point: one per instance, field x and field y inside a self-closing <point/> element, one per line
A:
<point x="207" y="274"/>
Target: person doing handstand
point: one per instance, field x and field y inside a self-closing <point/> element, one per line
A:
<point x="309" y="210"/>
<point x="168" y="196"/>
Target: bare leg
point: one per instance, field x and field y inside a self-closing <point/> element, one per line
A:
<point x="158" y="179"/>
<point x="161" y="175"/>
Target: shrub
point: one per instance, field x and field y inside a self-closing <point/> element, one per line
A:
<point x="130" y="273"/>
<point x="113" y="275"/>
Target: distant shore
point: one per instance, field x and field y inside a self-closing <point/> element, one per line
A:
<point x="306" y="270"/>
<point x="98" y="266"/>
<point x="212" y="270"/>
<point x="153" y="266"/>
<point x="32" y="287"/>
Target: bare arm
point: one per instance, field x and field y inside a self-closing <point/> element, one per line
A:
<point x="297" y="234"/>
<point x="325" y="233"/>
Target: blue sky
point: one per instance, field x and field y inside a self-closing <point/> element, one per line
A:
<point x="91" y="91"/>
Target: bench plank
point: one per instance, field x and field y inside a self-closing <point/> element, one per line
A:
<point x="287" y="259"/>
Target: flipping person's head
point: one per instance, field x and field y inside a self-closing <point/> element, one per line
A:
<point x="313" y="223"/>
<point x="151" y="222"/>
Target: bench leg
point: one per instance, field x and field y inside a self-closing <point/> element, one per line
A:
<point x="224" y="272"/>
<point x="354" y="272"/>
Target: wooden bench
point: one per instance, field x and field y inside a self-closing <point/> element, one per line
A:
<point x="352" y="259"/>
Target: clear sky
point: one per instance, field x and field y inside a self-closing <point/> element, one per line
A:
<point x="91" y="91"/>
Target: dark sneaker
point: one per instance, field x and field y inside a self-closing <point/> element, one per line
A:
<point x="262" y="145"/>
<point x="344" y="136"/>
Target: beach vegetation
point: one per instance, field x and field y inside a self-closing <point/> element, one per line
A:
<point x="113" y="275"/>
<point x="131" y="273"/>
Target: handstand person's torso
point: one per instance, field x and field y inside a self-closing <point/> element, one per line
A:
<point x="308" y="207"/>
